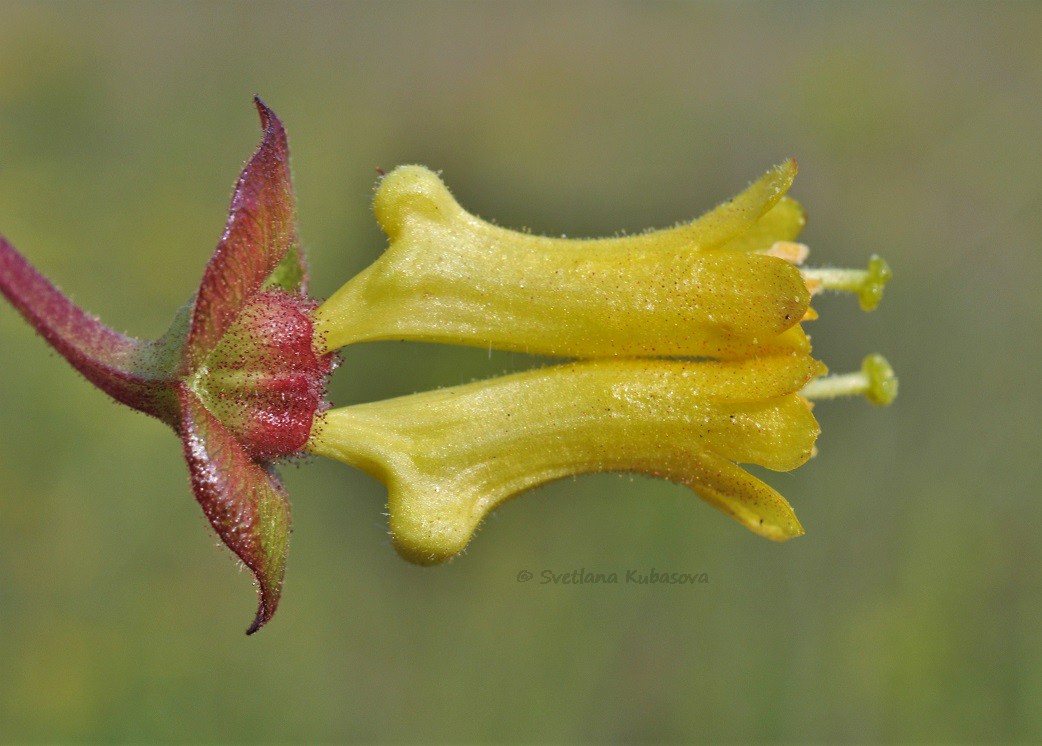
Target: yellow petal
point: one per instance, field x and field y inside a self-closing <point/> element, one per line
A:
<point x="745" y="498"/>
<point x="783" y="222"/>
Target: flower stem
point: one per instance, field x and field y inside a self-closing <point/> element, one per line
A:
<point x="134" y="372"/>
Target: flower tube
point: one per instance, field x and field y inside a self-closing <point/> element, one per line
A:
<point x="449" y="457"/>
<point x="697" y="290"/>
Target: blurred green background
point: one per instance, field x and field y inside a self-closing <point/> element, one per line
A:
<point x="909" y="612"/>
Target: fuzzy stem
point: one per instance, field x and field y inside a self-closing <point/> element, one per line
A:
<point x="129" y="370"/>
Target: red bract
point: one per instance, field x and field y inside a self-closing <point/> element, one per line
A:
<point x="236" y="375"/>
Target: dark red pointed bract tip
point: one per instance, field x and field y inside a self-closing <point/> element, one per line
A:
<point x="242" y="499"/>
<point x="264" y="614"/>
<point x="260" y="231"/>
<point x="270" y="122"/>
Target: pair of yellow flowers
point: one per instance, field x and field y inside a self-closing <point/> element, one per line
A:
<point x="687" y="347"/>
<point x="688" y="358"/>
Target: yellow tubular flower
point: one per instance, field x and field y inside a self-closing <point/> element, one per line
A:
<point x="709" y="288"/>
<point x="448" y="457"/>
<point x="725" y="292"/>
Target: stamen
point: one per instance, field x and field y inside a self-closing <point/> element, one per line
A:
<point x="868" y="283"/>
<point x="875" y="381"/>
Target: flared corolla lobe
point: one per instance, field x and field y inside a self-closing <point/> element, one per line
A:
<point x="449" y="457"/>
<point x="239" y="375"/>
<point x="703" y="289"/>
